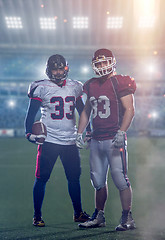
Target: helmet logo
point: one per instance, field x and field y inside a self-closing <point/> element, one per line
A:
<point x="100" y="57"/>
<point x="55" y="65"/>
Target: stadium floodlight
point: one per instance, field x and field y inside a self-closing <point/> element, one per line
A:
<point x="153" y="115"/>
<point x="85" y="70"/>
<point x="14" y="22"/>
<point x="151" y="68"/>
<point x="80" y="22"/>
<point x="47" y="23"/>
<point x="114" y="22"/>
<point x="11" y="103"/>
<point x="146" y="21"/>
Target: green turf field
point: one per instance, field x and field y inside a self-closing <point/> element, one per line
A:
<point x="146" y="172"/>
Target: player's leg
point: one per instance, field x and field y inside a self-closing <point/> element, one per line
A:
<point x="46" y="158"/>
<point x="38" y="196"/>
<point x="71" y="161"/>
<point x="118" y="160"/>
<point x="101" y="197"/>
<point x="126" y="198"/>
<point x="98" y="171"/>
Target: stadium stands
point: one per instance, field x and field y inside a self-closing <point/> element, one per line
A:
<point x="19" y="71"/>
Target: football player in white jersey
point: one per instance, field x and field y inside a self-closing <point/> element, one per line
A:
<point x="57" y="97"/>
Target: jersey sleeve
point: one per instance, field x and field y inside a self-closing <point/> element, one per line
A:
<point x="126" y="85"/>
<point x="36" y="91"/>
<point x="78" y="89"/>
<point x="86" y="86"/>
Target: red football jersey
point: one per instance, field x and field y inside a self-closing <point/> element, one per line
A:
<point x="104" y="96"/>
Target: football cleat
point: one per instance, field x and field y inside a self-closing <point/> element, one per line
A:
<point x="126" y="222"/>
<point x="97" y="220"/>
<point x="82" y="217"/>
<point x="38" y="222"/>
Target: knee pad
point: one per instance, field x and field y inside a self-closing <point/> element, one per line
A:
<point x="120" y="179"/>
<point x="97" y="181"/>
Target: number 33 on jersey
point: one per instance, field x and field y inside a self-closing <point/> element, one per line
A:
<point x="104" y="97"/>
<point x="57" y="108"/>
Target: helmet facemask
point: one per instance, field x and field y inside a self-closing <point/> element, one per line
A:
<point x="108" y="67"/>
<point x="59" y="76"/>
<point x="57" y="62"/>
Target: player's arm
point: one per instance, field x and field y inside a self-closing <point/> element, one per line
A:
<point x="83" y="122"/>
<point x="80" y="107"/>
<point x="129" y="110"/>
<point x="84" y="118"/>
<point x="33" y="108"/>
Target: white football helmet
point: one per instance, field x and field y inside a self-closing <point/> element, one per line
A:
<point x="103" y="62"/>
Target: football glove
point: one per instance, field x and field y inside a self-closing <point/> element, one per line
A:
<point x="119" y="139"/>
<point x="34" y="138"/>
<point x="88" y="137"/>
<point x="79" y="141"/>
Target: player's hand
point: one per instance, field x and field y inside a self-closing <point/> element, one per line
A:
<point x="119" y="139"/>
<point x="79" y="141"/>
<point x="34" y="138"/>
<point x="88" y="137"/>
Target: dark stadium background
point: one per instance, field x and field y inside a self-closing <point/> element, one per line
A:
<point x="140" y="53"/>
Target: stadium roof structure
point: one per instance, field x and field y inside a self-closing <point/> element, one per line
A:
<point x="82" y="25"/>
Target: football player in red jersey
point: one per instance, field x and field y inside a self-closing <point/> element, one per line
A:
<point x="111" y="102"/>
<point x="58" y="97"/>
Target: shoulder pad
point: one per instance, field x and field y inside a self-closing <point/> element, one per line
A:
<point x="33" y="86"/>
<point x="87" y="83"/>
<point x="74" y="82"/>
<point x="126" y="85"/>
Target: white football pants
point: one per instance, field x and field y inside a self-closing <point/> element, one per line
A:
<point x="104" y="156"/>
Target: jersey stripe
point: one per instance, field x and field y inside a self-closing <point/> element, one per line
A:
<point x="37" y="173"/>
<point x="123" y="154"/>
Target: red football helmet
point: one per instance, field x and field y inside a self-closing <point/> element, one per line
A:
<point x="103" y="62"/>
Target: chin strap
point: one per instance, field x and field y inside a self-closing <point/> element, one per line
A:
<point x="63" y="82"/>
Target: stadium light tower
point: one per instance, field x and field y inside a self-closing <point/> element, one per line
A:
<point x="80" y="22"/>
<point x="114" y="22"/>
<point x="146" y="21"/>
<point x="14" y="22"/>
<point x="146" y="12"/>
<point x="47" y="23"/>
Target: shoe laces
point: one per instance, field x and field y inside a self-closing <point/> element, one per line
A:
<point x="82" y="214"/>
<point x="85" y="214"/>
<point x="94" y="215"/>
<point x="124" y="217"/>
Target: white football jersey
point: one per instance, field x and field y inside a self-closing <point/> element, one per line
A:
<point x="57" y="108"/>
